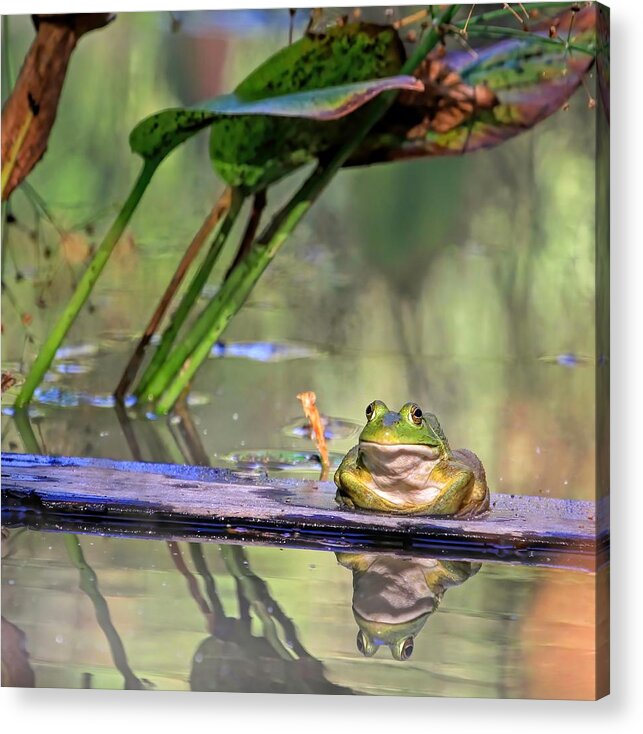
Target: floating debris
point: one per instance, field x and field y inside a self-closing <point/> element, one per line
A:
<point x="77" y="351"/>
<point x="263" y="351"/>
<point x="9" y="379"/>
<point x="195" y="399"/>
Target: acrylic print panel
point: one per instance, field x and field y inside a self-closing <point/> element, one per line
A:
<point x="305" y="351"/>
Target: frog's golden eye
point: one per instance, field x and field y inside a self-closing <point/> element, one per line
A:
<point x="370" y="411"/>
<point x="416" y="415"/>
<point x="407" y="647"/>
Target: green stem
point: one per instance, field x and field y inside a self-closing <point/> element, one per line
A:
<point x="197" y="344"/>
<point x="186" y="359"/>
<point x="25" y="430"/>
<point x="85" y="284"/>
<point x="157" y="362"/>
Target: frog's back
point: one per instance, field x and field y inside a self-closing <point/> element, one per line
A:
<point x="472" y="462"/>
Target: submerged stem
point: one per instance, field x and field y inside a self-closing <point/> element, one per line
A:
<point x="156" y="367"/>
<point x="85" y="284"/>
<point x="258" y="205"/>
<point x="25" y="431"/>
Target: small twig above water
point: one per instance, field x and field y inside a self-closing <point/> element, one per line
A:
<point x="308" y="400"/>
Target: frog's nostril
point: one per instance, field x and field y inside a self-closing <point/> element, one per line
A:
<point x="390" y="419"/>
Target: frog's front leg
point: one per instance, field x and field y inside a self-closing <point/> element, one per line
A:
<point x="477" y="503"/>
<point x="355" y="484"/>
<point x="345" y="478"/>
<point x="457" y="484"/>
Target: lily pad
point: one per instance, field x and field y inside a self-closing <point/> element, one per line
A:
<point x="277" y="460"/>
<point x="253" y="152"/>
<point x="160" y="133"/>
<point x="289" y="109"/>
<point x="334" y="428"/>
<point x="472" y="103"/>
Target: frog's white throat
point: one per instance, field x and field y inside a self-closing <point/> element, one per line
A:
<point x="395" y="467"/>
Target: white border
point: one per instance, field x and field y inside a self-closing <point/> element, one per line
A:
<point x="105" y="711"/>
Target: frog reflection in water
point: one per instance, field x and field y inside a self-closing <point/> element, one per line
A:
<point x="394" y="596"/>
<point x="403" y="464"/>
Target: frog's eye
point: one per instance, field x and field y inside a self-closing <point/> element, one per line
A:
<point x="416" y="415"/>
<point x="365" y="646"/>
<point x="407" y="647"/>
<point x="375" y="409"/>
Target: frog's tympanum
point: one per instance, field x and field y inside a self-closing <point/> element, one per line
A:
<point x="393" y="597"/>
<point x="403" y="464"/>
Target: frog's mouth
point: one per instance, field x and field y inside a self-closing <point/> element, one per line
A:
<point x="395" y="467"/>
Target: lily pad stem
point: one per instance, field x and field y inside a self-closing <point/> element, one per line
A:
<point x="157" y="363"/>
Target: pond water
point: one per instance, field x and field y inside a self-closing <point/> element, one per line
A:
<point x="465" y="285"/>
<point x="143" y="613"/>
<point x="204" y="616"/>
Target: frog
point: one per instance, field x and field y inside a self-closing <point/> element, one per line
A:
<point x="395" y="595"/>
<point x="403" y="464"/>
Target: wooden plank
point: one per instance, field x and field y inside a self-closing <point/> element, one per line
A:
<point x="167" y="500"/>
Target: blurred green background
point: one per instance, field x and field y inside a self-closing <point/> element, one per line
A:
<point x="466" y="285"/>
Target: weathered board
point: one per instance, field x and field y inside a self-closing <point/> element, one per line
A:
<point x="193" y="502"/>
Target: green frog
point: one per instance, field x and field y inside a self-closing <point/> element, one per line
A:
<point x="403" y="464"/>
<point x="394" y="596"/>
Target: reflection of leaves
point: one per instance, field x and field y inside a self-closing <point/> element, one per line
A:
<point x="469" y="104"/>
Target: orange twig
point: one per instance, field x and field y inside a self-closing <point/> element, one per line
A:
<point x="308" y="400"/>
